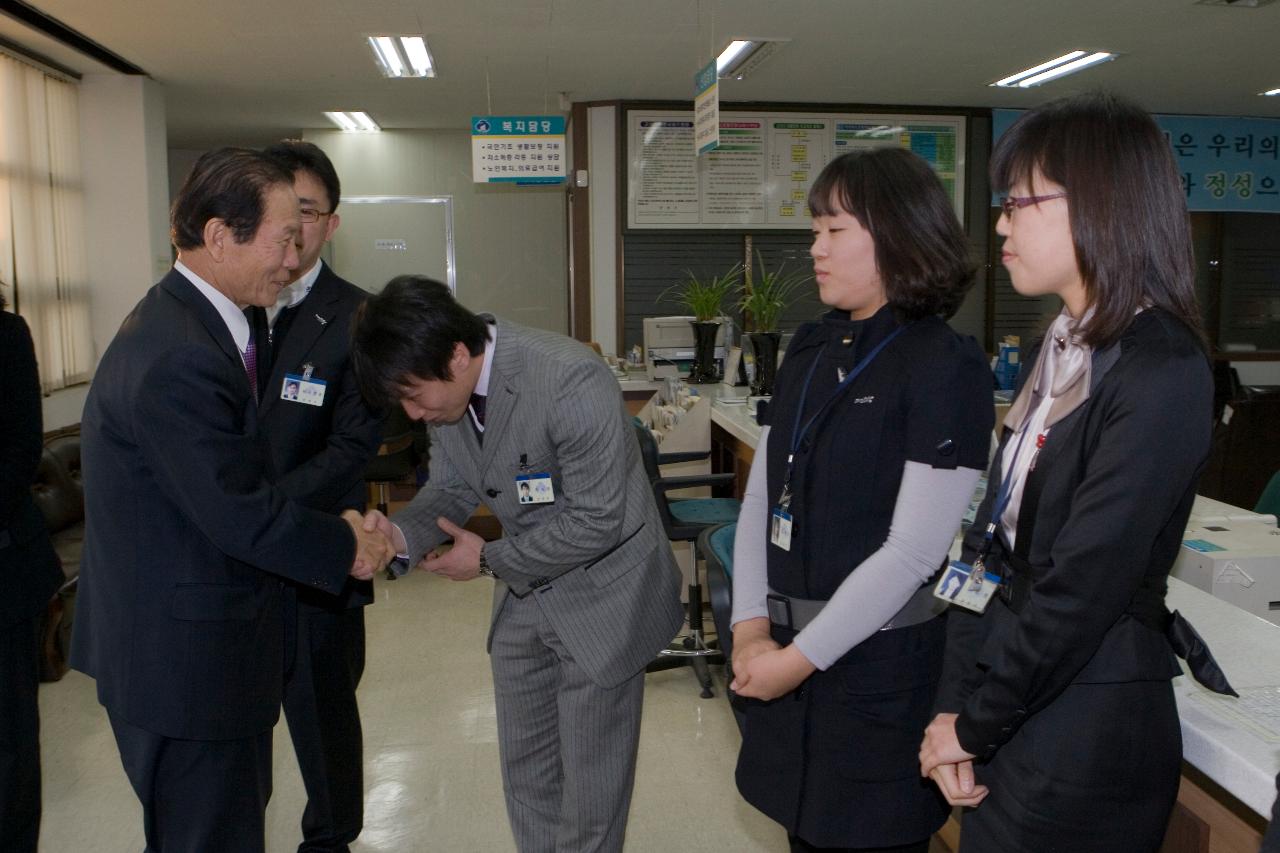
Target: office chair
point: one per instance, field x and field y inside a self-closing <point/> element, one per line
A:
<point x="397" y="459"/>
<point x="684" y="519"/>
<point x="716" y="545"/>
<point x="1269" y="501"/>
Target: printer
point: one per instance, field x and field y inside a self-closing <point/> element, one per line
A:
<point x="1236" y="561"/>
<point x="669" y="346"/>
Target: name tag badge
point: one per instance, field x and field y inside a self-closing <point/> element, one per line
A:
<point x="969" y="588"/>
<point x="302" y="389"/>
<point x="535" y="489"/>
<point x="780" y="528"/>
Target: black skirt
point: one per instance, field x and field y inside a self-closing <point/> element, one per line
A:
<point x="1096" y="771"/>
<point x="836" y="761"/>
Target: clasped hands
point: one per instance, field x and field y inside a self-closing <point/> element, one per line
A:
<point x="374" y="548"/>
<point x="459" y="563"/>
<point x="763" y="669"/>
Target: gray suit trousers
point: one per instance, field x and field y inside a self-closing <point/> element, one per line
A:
<point x="568" y="746"/>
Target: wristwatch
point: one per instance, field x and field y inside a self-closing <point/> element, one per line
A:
<point x="484" y="565"/>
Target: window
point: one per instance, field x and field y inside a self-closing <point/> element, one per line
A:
<point x="42" y="257"/>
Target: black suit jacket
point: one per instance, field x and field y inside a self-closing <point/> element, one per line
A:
<point x="178" y="618"/>
<point x="320" y="452"/>
<point x="29" y="569"/>
<point x="1102" y="517"/>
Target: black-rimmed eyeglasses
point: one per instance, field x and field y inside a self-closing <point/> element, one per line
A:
<point x="312" y="215"/>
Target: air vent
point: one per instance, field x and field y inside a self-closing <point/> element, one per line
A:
<point x="1240" y="4"/>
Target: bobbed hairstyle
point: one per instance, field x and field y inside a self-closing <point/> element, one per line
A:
<point x="922" y="255"/>
<point x="296" y="155"/>
<point x="230" y="184"/>
<point x="409" y="331"/>
<point x="1126" y="206"/>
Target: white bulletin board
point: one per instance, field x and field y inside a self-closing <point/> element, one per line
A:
<point x="760" y="175"/>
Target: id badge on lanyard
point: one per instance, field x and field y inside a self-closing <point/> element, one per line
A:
<point x="972" y="586"/>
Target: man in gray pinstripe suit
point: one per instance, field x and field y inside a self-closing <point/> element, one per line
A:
<point x="586" y="590"/>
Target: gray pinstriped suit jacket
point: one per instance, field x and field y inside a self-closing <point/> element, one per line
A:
<point x="596" y="560"/>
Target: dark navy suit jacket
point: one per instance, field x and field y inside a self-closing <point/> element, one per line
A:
<point x="178" y="618"/>
<point x="320" y="452"/>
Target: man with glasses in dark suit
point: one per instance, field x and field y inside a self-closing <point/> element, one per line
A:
<point x="322" y="435"/>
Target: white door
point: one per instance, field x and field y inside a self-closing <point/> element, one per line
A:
<point x="381" y="237"/>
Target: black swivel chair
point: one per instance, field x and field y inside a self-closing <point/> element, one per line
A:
<point x="397" y="459"/>
<point x="684" y="519"/>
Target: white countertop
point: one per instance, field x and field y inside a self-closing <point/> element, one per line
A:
<point x="737" y="419"/>
<point x="1230" y="751"/>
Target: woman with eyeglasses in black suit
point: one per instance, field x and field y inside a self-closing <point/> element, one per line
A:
<point x="1057" y="719"/>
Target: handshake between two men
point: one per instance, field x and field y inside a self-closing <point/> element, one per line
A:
<point x="378" y="541"/>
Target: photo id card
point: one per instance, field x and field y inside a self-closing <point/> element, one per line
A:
<point x="970" y="589"/>
<point x="535" y="489"/>
<point x="302" y="389"/>
<point x="780" y="528"/>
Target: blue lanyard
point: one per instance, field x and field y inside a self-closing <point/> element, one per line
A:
<point x="797" y="432"/>
<point x="1003" y="495"/>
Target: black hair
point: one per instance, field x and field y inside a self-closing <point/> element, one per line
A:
<point x="296" y="155"/>
<point x="409" y="331"/>
<point x="922" y="254"/>
<point x="1126" y="205"/>
<point x="230" y="184"/>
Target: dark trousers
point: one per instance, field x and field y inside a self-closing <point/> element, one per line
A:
<point x="324" y="724"/>
<point x="198" y="796"/>
<point x="19" y="737"/>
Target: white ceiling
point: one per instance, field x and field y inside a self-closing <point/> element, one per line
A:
<point x="248" y="71"/>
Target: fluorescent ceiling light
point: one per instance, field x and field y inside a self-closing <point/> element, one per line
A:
<point x="1060" y="66"/>
<point x="353" y="122"/>
<point x="1270" y="92"/>
<point x="743" y="56"/>
<point x="402" y="56"/>
<point x="729" y="56"/>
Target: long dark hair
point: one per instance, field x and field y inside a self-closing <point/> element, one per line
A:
<point x="1127" y="209"/>
<point x="921" y="252"/>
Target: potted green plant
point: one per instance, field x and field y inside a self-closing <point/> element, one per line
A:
<point x="704" y="299"/>
<point x="763" y="299"/>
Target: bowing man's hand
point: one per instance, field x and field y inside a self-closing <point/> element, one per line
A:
<point x="462" y="561"/>
<point x="772" y="673"/>
<point x="373" y="549"/>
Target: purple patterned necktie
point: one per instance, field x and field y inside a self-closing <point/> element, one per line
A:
<point x="251" y="366"/>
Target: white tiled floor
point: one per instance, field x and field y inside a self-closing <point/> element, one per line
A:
<point x="431" y="754"/>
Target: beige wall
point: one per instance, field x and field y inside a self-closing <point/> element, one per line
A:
<point x="510" y="242"/>
<point x="126" y="190"/>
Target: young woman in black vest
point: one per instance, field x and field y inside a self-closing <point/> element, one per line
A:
<point x="875" y="438"/>
<point x="1060" y="690"/>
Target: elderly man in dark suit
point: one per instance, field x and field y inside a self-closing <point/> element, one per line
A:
<point x="586" y="590"/>
<point x="29" y="576"/>
<point x="322" y="435"/>
<point x="187" y="543"/>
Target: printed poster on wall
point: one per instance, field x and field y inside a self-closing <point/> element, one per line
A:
<point x="759" y="176"/>
<point x="518" y="150"/>
<point x="1225" y="164"/>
